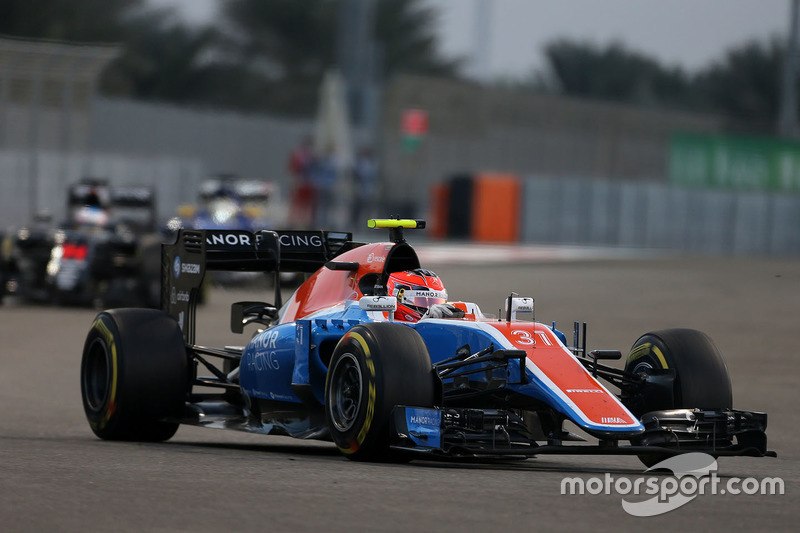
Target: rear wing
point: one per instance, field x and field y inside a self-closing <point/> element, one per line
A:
<point x="184" y="263"/>
<point x="143" y="197"/>
<point x="136" y="206"/>
<point x="89" y="191"/>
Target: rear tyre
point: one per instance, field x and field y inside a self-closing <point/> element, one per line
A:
<point x="701" y="376"/>
<point x="374" y="367"/>
<point x="134" y="375"/>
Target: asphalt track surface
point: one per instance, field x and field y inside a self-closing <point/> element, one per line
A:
<point x="55" y="475"/>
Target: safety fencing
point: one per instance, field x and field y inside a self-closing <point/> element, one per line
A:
<point x="624" y="214"/>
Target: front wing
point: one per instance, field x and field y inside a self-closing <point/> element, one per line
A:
<point x="495" y="432"/>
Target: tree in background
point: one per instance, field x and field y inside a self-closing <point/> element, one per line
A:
<point x="613" y="73"/>
<point x="261" y="55"/>
<point x="292" y="43"/>
<point x="170" y="62"/>
<point x="161" y="59"/>
<point x="406" y="32"/>
<point x="67" y="20"/>
<point x="285" y="46"/>
<point x="271" y="56"/>
<point x="744" y="85"/>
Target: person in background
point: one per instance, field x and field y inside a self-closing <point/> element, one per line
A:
<point x="323" y="174"/>
<point x="365" y="176"/>
<point x="302" y="204"/>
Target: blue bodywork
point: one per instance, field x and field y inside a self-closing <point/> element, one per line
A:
<point x="490" y="386"/>
<point x="279" y="361"/>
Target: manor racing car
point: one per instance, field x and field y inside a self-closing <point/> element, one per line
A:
<point x="333" y="363"/>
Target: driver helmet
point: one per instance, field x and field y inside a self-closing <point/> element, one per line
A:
<point x="416" y="290"/>
<point x="90" y="215"/>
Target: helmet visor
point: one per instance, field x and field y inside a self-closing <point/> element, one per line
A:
<point x="424" y="298"/>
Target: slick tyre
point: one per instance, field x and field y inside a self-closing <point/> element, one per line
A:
<point x="134" y="375"/>
<point x="374" y="367"/>
<point x="701" y="376"/>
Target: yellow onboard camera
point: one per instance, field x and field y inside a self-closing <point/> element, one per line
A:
<point x="396" y="226"/>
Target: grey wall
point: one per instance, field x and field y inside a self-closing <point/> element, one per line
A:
<point x="661" y="216"/>
<point x="252" y="146"/>
<point x="37" y="181"/>
<point x="474" y="128"/>
<point x="618" y="153"/>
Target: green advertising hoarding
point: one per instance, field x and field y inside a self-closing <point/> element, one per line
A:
<point x="734" y="162"/>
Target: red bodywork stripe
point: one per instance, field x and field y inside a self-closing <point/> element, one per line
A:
<point x="567" y="374"/>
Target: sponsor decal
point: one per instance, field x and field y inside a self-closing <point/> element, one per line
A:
<point x="597" y="391"/>
<point x="190" y="268"/>
<point x="376" y="306"/>
<point x="375" y="258"/>
<point x="296" y="241"/>
<point x="428" y="294"/>
<point x="183" y="296"/>
<point x="378" y="303"/>
<point x="354" y="446"/>
<point x="111" y="408"/>
<point x="613" y="420"/>
<point x="266" y="361"/>
<point x="266" y="340"/>
<point x="176" y="267"/>
<point x="424" y="426"/>
<point x="230" y="239"/>
<point x="646" y="349"/>
<point x="282" y="397"/>
<point x="424" y="419"/>
<point x="692" y="474"/>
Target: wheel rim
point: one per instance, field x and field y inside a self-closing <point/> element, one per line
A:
<point x="344" y="395"/>
<point x="643" y="367"/>
<point x="96" y="376"/>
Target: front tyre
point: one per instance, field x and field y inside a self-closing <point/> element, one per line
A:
<point x="134" y="375"/>
<point x="374" y="367"/>
<point x="700" y="377"/>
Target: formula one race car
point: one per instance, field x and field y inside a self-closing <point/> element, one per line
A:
<point x="226" y="202"/>
<point x="336" y="363"/>
<point x="101" y="253"/>
<point x="229" y="203"/>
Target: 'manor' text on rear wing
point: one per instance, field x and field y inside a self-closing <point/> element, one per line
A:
<point x="184" y="263"/>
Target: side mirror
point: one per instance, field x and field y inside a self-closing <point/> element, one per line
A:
<point x="516" y="305"/>
<point x="596" y="355"/>
<point x="243" y="313"/>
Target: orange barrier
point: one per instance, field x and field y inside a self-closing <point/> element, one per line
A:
<point x="440" y="203"/>
<point x="496" y="207"/>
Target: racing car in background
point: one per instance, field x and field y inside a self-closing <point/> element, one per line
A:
<point x="227" y="202"/>
<point x="24" y="255"/>
<point x="333" y="363"/>
<point x="106" y="252"/>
